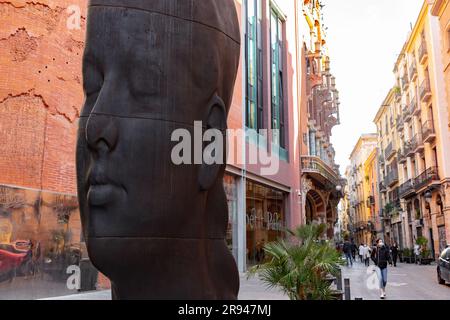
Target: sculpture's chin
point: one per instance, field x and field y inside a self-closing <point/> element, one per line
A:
<point x="158" y="268"/>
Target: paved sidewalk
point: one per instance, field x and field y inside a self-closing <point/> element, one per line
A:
<point x="252" y="289"/>
<point x="406" y="282"/>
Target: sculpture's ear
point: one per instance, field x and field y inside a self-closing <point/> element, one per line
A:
<point x="217" y="121"/>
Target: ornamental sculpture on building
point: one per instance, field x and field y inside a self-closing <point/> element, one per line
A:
<point x="156" y="229"/>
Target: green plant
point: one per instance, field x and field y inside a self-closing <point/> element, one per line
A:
<point x="300" y="265"/>
<point x="422" y="241"/>
<point x="407" y="253"/>
<point x="426" y="253"/>
<point x="389" y="207"/>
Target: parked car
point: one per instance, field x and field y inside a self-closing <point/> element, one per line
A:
<point x="10" y="261"/>
<point x="443" y="269"/>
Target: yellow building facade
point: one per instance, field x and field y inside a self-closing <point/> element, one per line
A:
<point x="414" y="141"/>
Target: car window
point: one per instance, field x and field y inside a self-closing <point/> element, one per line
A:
<point x="448" y="254"/>
<point x="444" y="254"/>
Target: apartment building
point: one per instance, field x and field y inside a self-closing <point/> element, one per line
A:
<point x="362" y="223"/>
<point x="414" y="117"/>
<point x="441" y="9"/>
<point x="322" y="185"/>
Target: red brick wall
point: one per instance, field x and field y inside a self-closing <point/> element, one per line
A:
<point x="40" y="93"/>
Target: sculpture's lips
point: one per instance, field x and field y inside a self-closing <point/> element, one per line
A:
<point x="100" y="195"/>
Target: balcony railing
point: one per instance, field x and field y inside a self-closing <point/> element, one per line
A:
<point x="413" y="106"/>
<point x="404" y="81"/>
<point x="406" y="110"/>
<point x="417" y="143"/>
<point x="423" y="52"/>
<point x="400" y="123"/>
<point x="407" y="189"/>
<point x="390" y="151"/>
<point x="392" y="178"/>
<point x="413" y="71"/>
<point x="401" y="155"/>
<point x="382" y="187"/>
<point x="425" y="90"/>
<point x="428" y="132"/>
<point x="409" y="148"/>
<point x="426" y="178"/>
<point x="315" y="165"/>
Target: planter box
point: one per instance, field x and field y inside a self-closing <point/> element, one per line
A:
<point x="426" y="262"/>
<point x="408" y="259"/>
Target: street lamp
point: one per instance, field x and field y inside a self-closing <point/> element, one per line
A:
<point x="428" y="197"/>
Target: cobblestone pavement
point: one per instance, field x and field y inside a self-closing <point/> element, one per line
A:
<point x="405" y="282"/>
<point x="251" y="289"/>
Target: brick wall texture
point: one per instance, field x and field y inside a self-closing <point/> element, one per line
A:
<point x="40" y="92"/>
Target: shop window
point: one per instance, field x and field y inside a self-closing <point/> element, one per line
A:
<point x="265" y="219"/>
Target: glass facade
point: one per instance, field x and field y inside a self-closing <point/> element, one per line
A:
<point x="265" y="219"/>
<point x="253" y="52"/>
<point x="276" y="59"/>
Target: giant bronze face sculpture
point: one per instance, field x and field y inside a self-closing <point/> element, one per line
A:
<point x="156" y="229"/>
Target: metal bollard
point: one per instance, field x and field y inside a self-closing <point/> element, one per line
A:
<point x="347" y="292"/>
<point x="339" y="280"/>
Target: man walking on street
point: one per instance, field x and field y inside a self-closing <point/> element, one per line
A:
<point x="394" y="252"/>
<point x="348" y="252"/>
<point x="381" y="257"/>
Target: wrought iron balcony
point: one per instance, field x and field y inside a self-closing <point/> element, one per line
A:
<point x="382" y="187"/>
<point x="404" y="81"/>
<point x="425" y="90"/>
<point x="320" y="171"/>
<point x="410" y="148"/>
<point x="426" y="178"/>
<point x="423" y="52"/>
<point x="400" y="123"/>
<point x="417" y="143"/>
<point x="406" y="110"/>
<point x="428" y="132"/>
<point x="390" y="151"/>
<point x="413" y="71"/>
<point x="401" y="155"/>
<point x="407" y="189"/>
<point x="392" y="178"/>
<point x="413" y="107"/>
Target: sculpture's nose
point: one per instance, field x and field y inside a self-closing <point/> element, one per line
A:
<point x="101" y="130"/>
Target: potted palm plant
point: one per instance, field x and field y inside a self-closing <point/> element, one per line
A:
<point x="425" y="253"/>
<point x="301" y="265"/>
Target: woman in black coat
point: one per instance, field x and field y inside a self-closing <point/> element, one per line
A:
<point x="381" y="256"/>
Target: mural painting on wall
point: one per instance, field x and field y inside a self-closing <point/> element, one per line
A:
<point x="40" y="244"/>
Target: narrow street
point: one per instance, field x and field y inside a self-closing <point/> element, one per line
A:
<point x="405" y="282"/>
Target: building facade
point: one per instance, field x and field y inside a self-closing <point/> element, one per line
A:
<point x="284" y="106"/>
<point x="415" y="118"/>
<point x="441" y="9"/>
<point x="361" y="222"/>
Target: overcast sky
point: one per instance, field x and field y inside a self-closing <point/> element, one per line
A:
<point x="364" y="39"/>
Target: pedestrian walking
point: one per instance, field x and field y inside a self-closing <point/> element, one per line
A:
<point x="354" y="251"/>
<point x="417" y="253"/>
<point x="381" y="257"/>
<point x="394" y="253"/>
<point x="361" y="252"/>
<point x="348" y="248"/>
<point x="367" y="253"/>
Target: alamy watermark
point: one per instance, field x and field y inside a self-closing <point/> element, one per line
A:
<point x="208" y="146"/>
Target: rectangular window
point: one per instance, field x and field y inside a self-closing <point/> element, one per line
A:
<point x="276" y="29"/>
<point x="253" y="51"/>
